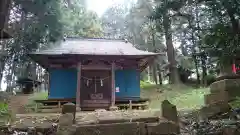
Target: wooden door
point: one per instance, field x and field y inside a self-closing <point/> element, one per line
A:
<point x="95" y="89"/>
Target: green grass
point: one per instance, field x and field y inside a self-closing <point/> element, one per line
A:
<point x="39" y="96"/>
<point x="182" y="96"/>
<point x="235" y="103"/>
<point x="36" y="96"/>
<point x="4" y="113"/>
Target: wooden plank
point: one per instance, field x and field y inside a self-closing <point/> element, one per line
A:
<point x="78" y="85"/>
<point x="133" y="105"/>
<point x="48" y="84"/>
<point x="49" y="107"/>
<point x="54" y="100"/>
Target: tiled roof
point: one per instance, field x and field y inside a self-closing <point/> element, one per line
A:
<point x="94" y="47"/>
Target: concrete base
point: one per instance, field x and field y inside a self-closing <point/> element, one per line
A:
<point x="232" y="86"/>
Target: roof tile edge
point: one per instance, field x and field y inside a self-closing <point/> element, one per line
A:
<point x="94" y="39"/>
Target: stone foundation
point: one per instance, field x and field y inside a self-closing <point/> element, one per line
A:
<point x="221" y="92"/>
<point x="113" y="122"/>
<point x="232" y="86"/>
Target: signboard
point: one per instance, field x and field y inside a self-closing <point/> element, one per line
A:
<point x="117" y="89"/>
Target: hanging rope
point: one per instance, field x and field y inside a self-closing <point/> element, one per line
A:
<point x="95" y="79"/>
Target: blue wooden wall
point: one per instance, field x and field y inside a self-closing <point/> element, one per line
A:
<point x="128" y="82"/>
<point x="63" y="83"/>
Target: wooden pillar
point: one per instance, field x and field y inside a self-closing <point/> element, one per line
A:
<point x="79" y="68"/>
<point x="113" y="85"/>
<point x="48" y="81"/>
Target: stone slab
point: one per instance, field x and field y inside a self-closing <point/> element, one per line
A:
<point x="213" y="98"/>
<point x="152" y="119"/>
<point x="232" y="86"/>
<point x="169" y="111"/>
<point x="128" y="128"/>
<point x="162" y="128"/>
<point x="210" y="110"/>
<point x="109" y="121"/>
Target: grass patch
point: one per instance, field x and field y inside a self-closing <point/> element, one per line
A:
<point x="5" y="115"/>
<point x="183" y="97"/>
<point x="36" y="96"/>
<point x="235" y="103"/>
<point x="147" y="85"/>
<point x="191" y="100"/>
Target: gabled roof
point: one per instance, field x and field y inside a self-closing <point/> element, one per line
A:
<point x="94" y="47"/>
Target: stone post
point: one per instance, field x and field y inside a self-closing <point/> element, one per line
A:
<point x="169" y="111"/>
<point x="69" y="108"/>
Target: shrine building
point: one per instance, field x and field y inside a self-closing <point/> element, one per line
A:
<point x="95" y="73"/>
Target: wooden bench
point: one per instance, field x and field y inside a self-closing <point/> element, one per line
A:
<point x="52" y="103"/>
<point x="126" y="103"/>
<point x="132" y="103"/>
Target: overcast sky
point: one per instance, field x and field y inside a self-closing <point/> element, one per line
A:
<point x="99" y="6"/>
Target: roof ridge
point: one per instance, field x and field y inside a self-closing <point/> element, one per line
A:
<point x="94" y="39"/>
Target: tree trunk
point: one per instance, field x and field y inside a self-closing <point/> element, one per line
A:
<point x="4" y="10"/>
<point x="2" y="62"/>
<point x="182" y="45"/>
<point x="46" y="81"/>
<point x="149" y="74"/>
<point x="196" y="67"/>
<point x="204" y="70"/>
<point x="33" y="70"/>
<point x="159" y="74"/>
<point x="156" y="65"/>
<point x="225" y="67"/>
<point x="155" y="74"/>
<point x="174" y="75"/>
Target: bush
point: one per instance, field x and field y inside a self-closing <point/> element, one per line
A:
<point x="210" y="79"/>
<point x="147" y="85"/>
<point x="4" y="112"/>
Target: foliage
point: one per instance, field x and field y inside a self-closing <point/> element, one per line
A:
<point x="30" y="107"/>
<point x="78" y="22"/>
<point x="220" y="42"/>
<point x="4" y="112"/>
<point x="146" y="85"/>
<point x="210" y="79"/>
<point x="235" y="103"/>
<point x="203" y="30"/>
<point x="184" y="97"/>
<point x="3" y="109"/>
<point x="36" y="24"/>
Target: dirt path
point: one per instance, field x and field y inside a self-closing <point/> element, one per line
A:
<point x="17" y="103"/>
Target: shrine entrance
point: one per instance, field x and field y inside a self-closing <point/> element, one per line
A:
<point x="95" y="89"/>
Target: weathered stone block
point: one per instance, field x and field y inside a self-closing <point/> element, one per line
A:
<point x="232" y="86"/>
<point x="65" y="125"/>
<point x="66" y="130"/>
<point x="146" y="120"/>
<point x="213" y="109"/>
<point x="163" y="128"/>
<point x="109" y="121"/>
<point x="169" y="111"/>
<point x="127" y="128"/>
<point x="65" y="119"/>
<point x="230" y="131"/>
<point x="69" y="108"/>
<point x="228" y="76"/>
<point x="113" y="108"/>
<point x="213" y="98"/>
